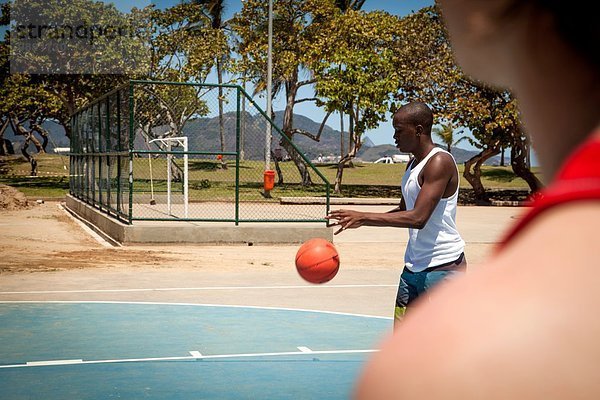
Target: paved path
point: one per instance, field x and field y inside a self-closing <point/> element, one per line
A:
<point x="235" y="275"/>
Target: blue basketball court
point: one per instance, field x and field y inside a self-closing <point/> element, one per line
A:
<point x="101" y="350"/>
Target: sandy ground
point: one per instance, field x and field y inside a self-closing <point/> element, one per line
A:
<point x="46" y="255"/>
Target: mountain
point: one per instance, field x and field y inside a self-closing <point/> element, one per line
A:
<point x="203" y="134"/>
<point x="371" y="154"/>
<point x="368" y="142"/>
<point x="330" y="143"/>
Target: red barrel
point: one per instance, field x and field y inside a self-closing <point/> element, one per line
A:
<point x="269" y="183"/>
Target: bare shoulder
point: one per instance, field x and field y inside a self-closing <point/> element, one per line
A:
<point x="440" y="164"/>
<point x="442" y="158"/>
<point x="523" y="326"/>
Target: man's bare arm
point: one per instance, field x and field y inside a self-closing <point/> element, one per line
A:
<point x="437" y="175"/>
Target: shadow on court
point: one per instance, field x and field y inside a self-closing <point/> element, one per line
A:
<point x="99" y="350"/>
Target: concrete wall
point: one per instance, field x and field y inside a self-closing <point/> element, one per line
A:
<point x="158" y="232"/>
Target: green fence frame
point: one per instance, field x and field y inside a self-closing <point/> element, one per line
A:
<point x="93" y="163"/>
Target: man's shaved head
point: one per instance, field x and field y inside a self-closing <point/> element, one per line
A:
<point x="417" y="113"/>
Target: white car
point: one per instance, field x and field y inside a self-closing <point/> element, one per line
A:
<point x="401" y="158"/>
<point x="385" y="160"/>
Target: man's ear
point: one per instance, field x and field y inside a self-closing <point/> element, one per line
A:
<point x="419" y="129"/>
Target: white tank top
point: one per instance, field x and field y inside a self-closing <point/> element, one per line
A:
<point x="439" y="241"/>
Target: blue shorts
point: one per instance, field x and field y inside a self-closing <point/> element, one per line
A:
<point x="414" y="284"/>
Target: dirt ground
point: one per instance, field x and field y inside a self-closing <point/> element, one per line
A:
<point x="46" y="238"/>
<point x="12" y="199"/>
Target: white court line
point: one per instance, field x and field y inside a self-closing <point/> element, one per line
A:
<point x="188" y="304"/>
<point x="53" y="362"/>
<point x="198" y="288"/>
<point x="193" y="357"/>
<point x="304" y="349"/>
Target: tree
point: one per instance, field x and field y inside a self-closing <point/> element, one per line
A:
<point x="4" y="73"/>
<point x="355" y="72"/>
<point x="344" y="6"/>
<point x="428" y="72"/>
<point x="214" y="9"/>
<point x="184" y="45"/>
<point x="25" y="106"/>
<point x="74" y="71"/>
<point x="299" y="24"/>
<point x="184" y="49"/>
<point x="446" y="132"/>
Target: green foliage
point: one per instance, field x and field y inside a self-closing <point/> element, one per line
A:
<point x="167" y="105"/>
<point x="361" y="64"/>
<point x="355" y="70"/>
<point x="447" y="134"/>
<point x="298" y="23"/>
<point x="47" y="95"/>
<point x="185" y="44"/>
<point x="77" y="37"/>
<point x="429" y="73"/>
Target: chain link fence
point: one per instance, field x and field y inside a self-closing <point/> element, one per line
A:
<point x="198" y="152"/>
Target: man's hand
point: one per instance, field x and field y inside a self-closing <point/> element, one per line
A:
<point x="346" y="219"/>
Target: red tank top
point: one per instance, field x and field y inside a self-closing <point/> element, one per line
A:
<point x="578" y="179"/>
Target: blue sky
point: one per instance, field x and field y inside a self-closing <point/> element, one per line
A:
<point x="398" y="7"/>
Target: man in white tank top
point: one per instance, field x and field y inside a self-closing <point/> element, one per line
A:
<point x="435" y="250"/>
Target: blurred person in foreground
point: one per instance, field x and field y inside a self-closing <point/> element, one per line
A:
<point x="525" y="324"/>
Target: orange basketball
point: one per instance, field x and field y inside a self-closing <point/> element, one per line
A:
<point x="317" y="260"/>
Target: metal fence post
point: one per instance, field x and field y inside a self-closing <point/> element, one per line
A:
<point x="108" y="151"/>
<point x="131" y="137"/>
<point x="119" y="149"/>
<point x="237" y="158"/>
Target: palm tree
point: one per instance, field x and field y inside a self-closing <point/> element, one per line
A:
<point x="446" y="134"/>
<point x="346" y="5"/>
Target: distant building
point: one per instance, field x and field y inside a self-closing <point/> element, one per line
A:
<point x="62" y="150"/>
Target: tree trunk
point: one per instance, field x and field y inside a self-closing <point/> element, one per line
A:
<point x="298" y="161"/>
<point x="32" y="161"/>
<point x="342" y="152"/>
<point x="19" y="129"/>
<point x="287" y="128"/>
<point x="474" y="177"/>
<point x="337" y="187"/>
<point x="43" y="133"/>
<point x="518" y="162"/>
<point x="347" y="159"/>
<point x="277" y="168"/>
<point x="4" y="150"/>
<point x="66" y="124"/>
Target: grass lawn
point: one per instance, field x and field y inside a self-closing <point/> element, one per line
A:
<point x="209" y="181"/>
